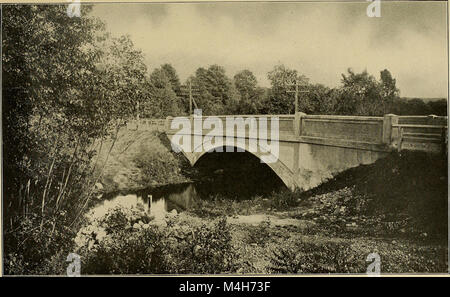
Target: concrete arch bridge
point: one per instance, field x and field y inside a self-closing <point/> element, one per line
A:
<point x="305" y="150"/>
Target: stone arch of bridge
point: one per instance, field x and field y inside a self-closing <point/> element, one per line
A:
<point x="280" y="169"/>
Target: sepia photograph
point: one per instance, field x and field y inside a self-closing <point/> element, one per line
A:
<point x="224" y="138"/>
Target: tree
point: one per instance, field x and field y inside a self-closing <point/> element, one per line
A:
<point x="322" y="100"/>
<point x="360" y="95"/>
<point x="66" y="85"/>
<point x="389" y="91"/>
<point x="215" y="92"/>
<point x="281" y="100"/>
<point x="162" y="100"/>
<point x="48" y="59"/>
<point x="172" y="75"/>
<point x="250" y="94"/>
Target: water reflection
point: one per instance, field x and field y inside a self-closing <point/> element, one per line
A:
<point x="234" y="176"/>
<point x="156" y="202"/>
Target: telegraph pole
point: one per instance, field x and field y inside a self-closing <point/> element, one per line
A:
<point x="296" y="94"/>
<point x="189" y="91"/>
<point x="296" y="98"/>
<point x="190" y="98"/>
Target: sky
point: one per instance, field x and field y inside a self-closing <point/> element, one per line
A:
<point x="320" y="40"/>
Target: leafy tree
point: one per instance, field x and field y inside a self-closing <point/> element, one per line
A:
<point x="47" y="60"/>
<point x="360" y="95"/>
<point x="389" y="91"/>
<point x="250" y="94"/>
<point x="215" y="91"/>
<point x="172" y="75"/>
<point x="66" y="85"/>
<point x="281" y="99"/>
<point x="438" y="107"/>
<point x="321" y="99"/>
<point x="162" y="100"/>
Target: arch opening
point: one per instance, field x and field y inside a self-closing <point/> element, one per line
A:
<point x="237" y="175"/>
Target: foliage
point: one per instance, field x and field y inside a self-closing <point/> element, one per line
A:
<point x="162" y="100"/>
<point x="281" y="97"/>
<point x="215" y="92"/>
<point x="66" y="84"/>
<point x="36" y="250"/>
<point x="171" y="73"/>
<point x="312" y="257"/>
<point x="282" y="200"/>
<point x="251" y="95"/>
<point x="149" y="248"/>
<point x="363" y="95"/>
<point x="417" y="106"/>
<point x="156" y="165"/>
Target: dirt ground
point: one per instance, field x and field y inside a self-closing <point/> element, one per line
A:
<point x="311" y="246"/>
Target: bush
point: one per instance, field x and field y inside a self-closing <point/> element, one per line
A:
<point x="308" y="257"/>
<point x="132" y="247"/>
<point x="283" y="200"/>
<point x="156" y="162"/>
<point x="30" y="249"/>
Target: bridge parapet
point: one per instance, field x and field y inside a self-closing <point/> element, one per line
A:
<point x="420" y="133"/>
<point x="308" y="149"/>
<point x="391" y="132"/>
<point x="343" y="131"/>
<point x="245" y="126"/>
<point x="147" y="124"/>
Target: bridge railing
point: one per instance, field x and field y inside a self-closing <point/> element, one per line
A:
<point x="390" y="132"/>
<point x="147" y="124"/>
<point x="342" y="128"/>
<point x="285" y="124"/>
<point x="420" y="133"/>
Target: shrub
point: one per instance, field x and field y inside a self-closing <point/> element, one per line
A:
<point x="283" y="200"/>
<point x="135" y="248"/>
<point x="307" y="257"/>
<point x="156" y="162"/>
<point x="30" y="249"/>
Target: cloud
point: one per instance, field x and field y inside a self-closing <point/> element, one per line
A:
<point x="320" y="40"/>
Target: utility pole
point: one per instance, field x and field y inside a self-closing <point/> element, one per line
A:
<point x="190" y="98"/>
<point x="296" y="94"/>
<point x="297" y="113"/>
<point x="189" y="92"/>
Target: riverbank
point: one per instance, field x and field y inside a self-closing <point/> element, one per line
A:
<point x="396" y="208"/>
<point x="139" y="159"/>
